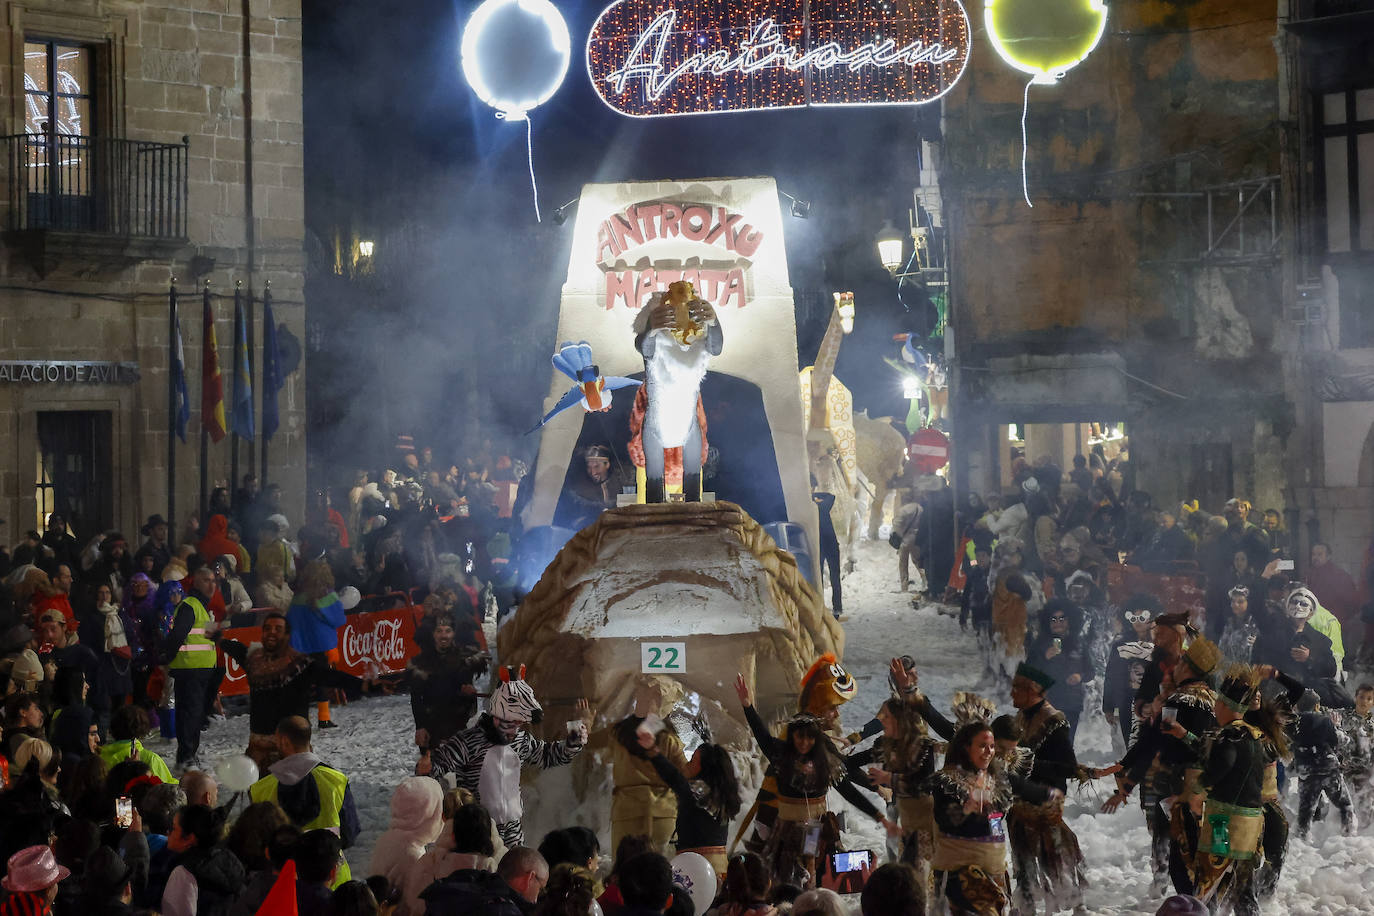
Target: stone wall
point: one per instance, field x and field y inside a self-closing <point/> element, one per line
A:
<point x="1179" y="95"/>
<point x="164" y="71"/>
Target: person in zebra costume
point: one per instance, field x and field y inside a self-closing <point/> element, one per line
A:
<point x="486" y="758"/>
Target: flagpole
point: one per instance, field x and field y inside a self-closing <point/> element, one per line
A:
<point x="171" y="400"/>
<point x="204" y="430"/>
<point x="252" y="337"/>
<point x="266" y="298"/>
<point x="238" y="330"/>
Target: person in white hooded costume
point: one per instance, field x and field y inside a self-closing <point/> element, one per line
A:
<point x="417" y="818"/>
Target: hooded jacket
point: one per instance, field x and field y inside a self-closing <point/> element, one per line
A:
<point x="204" y="883"/>
<point x="298" y="792"/>
<point x="315" y="624"/>
<point x="417" y="818"/>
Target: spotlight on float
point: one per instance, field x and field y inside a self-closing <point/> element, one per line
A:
<point x="560" y="216"/>
<point x="890" y="247"/>
<point x="515" y="54"/>
<point x="800" y="209"/>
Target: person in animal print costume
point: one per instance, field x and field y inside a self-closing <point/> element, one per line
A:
<point x="486" y="758"/>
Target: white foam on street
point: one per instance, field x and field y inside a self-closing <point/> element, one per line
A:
<point x="1329" y="875"/>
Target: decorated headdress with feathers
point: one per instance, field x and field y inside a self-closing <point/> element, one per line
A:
<point x="970" y="707"/>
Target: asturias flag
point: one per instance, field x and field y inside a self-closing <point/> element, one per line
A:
<point x="271" y="370"/>
<point x="182" y="411"/>
<point x="242" y="416"/>
<point x="211" y="385"/>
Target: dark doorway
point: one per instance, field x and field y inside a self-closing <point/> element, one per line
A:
<point x="75" y="471"/>
<point x="1209" y="478"/>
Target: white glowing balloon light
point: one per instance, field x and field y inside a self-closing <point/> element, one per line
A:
<point x="515" y="54"/>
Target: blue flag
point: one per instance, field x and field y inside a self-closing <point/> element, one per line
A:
<point x="271" y="370"/>
<point x="241" y="418"/>
<point x="181" y="412"/>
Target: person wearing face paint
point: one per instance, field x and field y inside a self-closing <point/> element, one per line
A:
<point x="1127" y="660"/>
<point x="281" y="683"/>
<point x="970" y="796"/>
<point x="486" y="758"/>
<point x="1301" y="651"/>
<point x="797" y="832"/>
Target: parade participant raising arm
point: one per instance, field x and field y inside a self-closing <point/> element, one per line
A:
<point x="707" y="791"/>
<point x="905" y="757"/>
<point x="486" y="758"/>
<point x="806" y="766"/>
<point x="281" y="683"/>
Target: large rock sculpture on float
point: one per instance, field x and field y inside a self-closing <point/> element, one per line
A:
<point x="703" y="574"/>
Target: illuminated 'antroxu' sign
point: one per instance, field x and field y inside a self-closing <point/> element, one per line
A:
<point x="650" y="58"/>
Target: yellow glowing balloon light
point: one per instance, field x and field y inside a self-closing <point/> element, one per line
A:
<point x="1045" y="38"/>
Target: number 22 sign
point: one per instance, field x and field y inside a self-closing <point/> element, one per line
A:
<point x="663" y="657"/>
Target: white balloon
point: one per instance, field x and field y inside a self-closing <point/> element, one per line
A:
<point x="515" y="54"/>
<point x="693" y="872"/>
<point x="236" y="773"/>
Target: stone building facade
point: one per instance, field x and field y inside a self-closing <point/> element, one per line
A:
<point x="1155" y="281"/>
<point x="144" y="141"/>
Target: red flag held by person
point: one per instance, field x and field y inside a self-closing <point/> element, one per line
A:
<point x="211" y="385"/>
<point x="281" y="899"/>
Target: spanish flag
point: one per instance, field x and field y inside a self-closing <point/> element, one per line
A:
<point x="211" y="385"/>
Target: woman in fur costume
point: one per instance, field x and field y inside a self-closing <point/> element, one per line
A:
<point x="970" y="797"/>
<point x="905" y="755"/>
<point x="797" y="832"/>
<point x="1015" y="596"/>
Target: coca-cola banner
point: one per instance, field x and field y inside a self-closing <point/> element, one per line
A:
<point x="370" y="645"/>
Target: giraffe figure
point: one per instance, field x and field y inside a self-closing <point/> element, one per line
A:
<point x="881" y="452"/>
<point x="828" y="407"/>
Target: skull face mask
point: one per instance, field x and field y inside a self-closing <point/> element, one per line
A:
<point x="1301" y="604"/>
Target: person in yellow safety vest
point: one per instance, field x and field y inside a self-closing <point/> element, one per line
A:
<point x="314" y="796"/>
<point x="189" y="652"/>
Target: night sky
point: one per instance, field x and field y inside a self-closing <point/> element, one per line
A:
<point x="399" y="146"/>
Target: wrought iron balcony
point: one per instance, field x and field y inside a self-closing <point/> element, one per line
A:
<point x="97" y="185"/>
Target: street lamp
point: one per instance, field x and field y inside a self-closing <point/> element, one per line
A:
<point x="890" y="247"/>
<point x="365" y="248"/>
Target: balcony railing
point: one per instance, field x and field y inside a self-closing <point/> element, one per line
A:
<point x="97" y="185"/>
